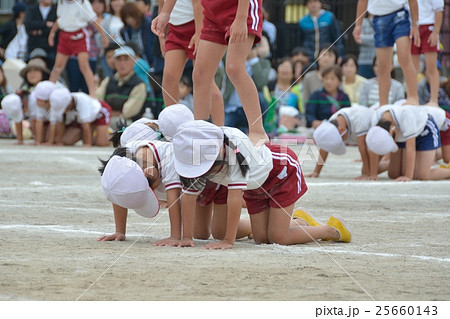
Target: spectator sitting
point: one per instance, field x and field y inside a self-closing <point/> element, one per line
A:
<point x="313" y="80"/>
<point x="300" y="60"/>
<point x="14" y="36"/>
<point x="318" y="28"/>
<point x="368" y="95"/>
<point x="424" y="85"/>
<point x="186" y="97"/>
<point x="124" y="92"/>
<point x="39" y="20"/>
<point x="324" y="103"/>
<point x="351" y="81"/>
<point x="34" y="72"/>
<point x="108" y="69"/>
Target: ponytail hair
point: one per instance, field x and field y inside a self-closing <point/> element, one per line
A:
<point x="121" y="151"/>
<point x="115" y="137"/>
<point x="240" y="158"/>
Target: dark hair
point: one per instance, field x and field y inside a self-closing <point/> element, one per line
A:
<point x="147" y="2"/>
<point x="385" y="124"/>
<point x="336" y="69"/>
<point x="120" y="127"/>
<point x="240" y="158"/>
<point x="306" y="1"/>
<point x="349" y="57"/>
<point x="193" y="183"/>
<point x="330" y="48"/>
<point x="111" y="46"/>
<point x="186" y="81"/>
<point x="120" y="151"/>
<point x="131" y="10"/>
<point x="334" y="122"/>
<point x="299" y="50"/>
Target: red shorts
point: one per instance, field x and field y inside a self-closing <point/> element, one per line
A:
<point x="213" y="193"/>
<point x="445" y="135"/>
<point x="284" y="186"/>
<point x="179" y="37"/>
<point x="72" y="43"/>
<point x="104" y="115"/>
<point x="424" y="31"/>
<point x="218" y="15"/>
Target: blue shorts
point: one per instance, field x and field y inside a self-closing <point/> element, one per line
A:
<point x="429" y="139"/>
<point x="388" y="28"/>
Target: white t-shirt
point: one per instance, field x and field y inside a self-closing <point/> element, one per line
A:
<point x="182" y="12"/>
<point x="163" y="152"/>
<point x="428" y="9"/>
<point x="409" y="120"/>
<point x="383" y="7"/>
<point x="87" y="107"/>
<point x="359" y="121"/>
<point x="259" y="160"/>
<point x="73" y="16"/>
<point x="438" y="115"/>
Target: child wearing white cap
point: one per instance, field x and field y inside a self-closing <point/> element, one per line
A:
<point x="346" y="126"/>
<point x="270" y="177"/>
<point x="155" y="161"/>
<point x="92" y="115"/>
<point x="412" y="136"/>
<point x="15" y="107"/>
<point x="142" y="129"/>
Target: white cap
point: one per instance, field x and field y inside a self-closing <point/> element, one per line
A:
<point x="59" y="100"/>
<point x="12" y="106"/>
<point x="124" y="184"/>
<point x="125" y="50"/>
<point x="380" y="142"/>
<point x="172" y="117"/>
<point x="196" y="147"/>
<point x="145" y="120"/>
<point x="43" y="90"/>
<point x="327" y="137"/>
<point x="137" y="132"/>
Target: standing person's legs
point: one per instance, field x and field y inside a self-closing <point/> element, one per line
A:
<point x="416" y="61"/>
<point x="384" y="61"/>
<point x="409" y="71"/>
<point x="85" y="68"/>
<point x="433" y="77"/>
<point x="58" y="67"/>
<point x="173" y="70"/>
<point x="208" y="57"/>
<point x="245" y="87"/>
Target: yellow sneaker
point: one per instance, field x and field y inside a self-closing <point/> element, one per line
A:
<point x="338" y="223"/>
<point x="306" y="217"/>
<point x="444" y="166"/>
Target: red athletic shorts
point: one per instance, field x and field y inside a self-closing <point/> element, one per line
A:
<point x="72" y="43"/>
<point x="213" y="193"/>
<point x="284" y="186"/>
<point x="218" y="15"/>
<point x="424" y="31"/>
<point x="445" y="135"/>
<point x="104" y="115"/>
<point x="179" y="37"/>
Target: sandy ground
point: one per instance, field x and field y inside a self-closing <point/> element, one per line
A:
<point x="52" y="210"/>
